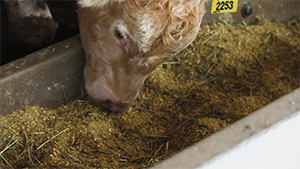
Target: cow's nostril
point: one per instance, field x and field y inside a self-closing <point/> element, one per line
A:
<point x="107" y="104"/>
<point x="114" y="106"/>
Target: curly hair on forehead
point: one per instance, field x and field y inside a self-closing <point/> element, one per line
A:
<point x="181" y="14"/>
<point x="164" y="21"/>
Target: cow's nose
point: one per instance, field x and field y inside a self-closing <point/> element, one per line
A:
<point x="114" y="106"/>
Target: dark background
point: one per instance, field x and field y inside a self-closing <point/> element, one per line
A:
<point x="63" y="12"/>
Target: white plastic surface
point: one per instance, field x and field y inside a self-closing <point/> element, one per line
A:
<point x="276" y="148"/>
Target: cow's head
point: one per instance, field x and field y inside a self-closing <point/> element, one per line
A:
<point x="125" y="40"/>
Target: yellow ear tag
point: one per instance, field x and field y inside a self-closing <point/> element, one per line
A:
<point x="223" y="6"/>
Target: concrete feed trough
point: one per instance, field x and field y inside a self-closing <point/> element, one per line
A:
<point x="49" y="76"/>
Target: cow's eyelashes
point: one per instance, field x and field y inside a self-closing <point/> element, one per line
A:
<point x="119" y="34"/>
<point x="122" y="37"/>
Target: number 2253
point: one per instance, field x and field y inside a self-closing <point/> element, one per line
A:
<point x="224" y="5"/>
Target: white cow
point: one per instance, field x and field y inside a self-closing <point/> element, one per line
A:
<point x="125" y="40"/>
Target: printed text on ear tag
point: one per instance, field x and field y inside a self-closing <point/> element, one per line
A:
<point x="224" y="6"/>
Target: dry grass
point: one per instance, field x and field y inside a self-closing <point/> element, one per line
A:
<point x="228" y="72"/>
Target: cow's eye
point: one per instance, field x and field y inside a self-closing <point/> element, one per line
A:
<point x="122" y="37"/>
<point x="119" y="34"/>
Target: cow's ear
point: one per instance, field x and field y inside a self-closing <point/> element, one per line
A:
<point x="96" y="3"/>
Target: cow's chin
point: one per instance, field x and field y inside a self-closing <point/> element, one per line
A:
<point x="114" y="106"/>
